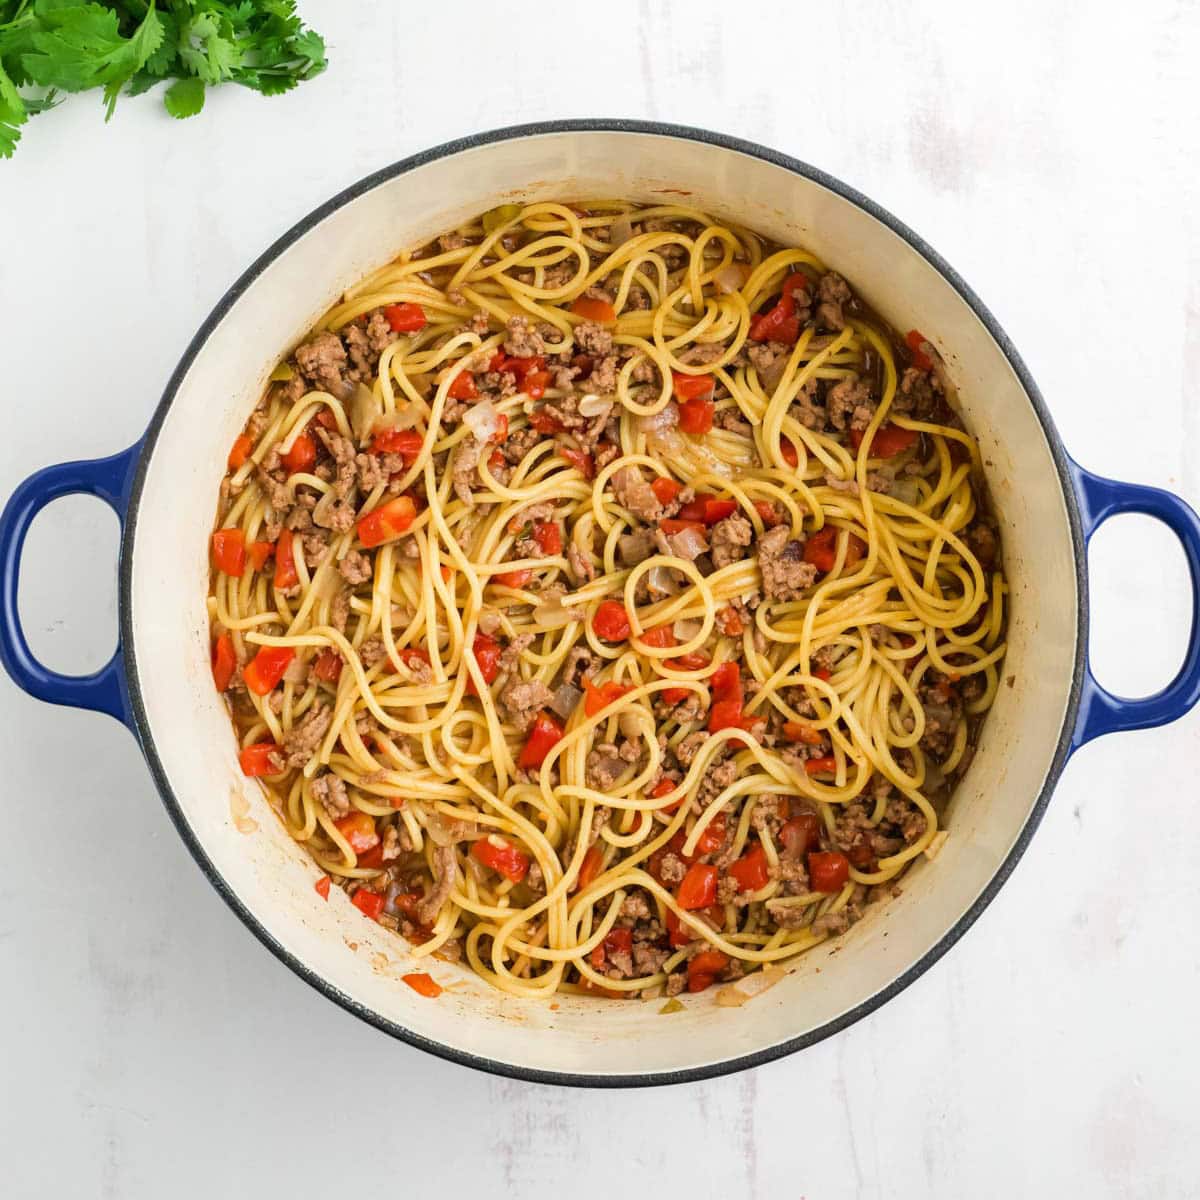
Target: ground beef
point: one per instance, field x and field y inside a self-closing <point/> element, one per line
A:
<point x="730" y="538"/>
<point x="849" y="404"/>
<point x="983" y="542"/>
<point x="344" y="456"/>
<point x="356" y="568"/>
<point x="522" y="342"/>
<point x="520" y="702"/>
<point x="466" y="468"/>
<point x="703" y="353"/>
<point x="329" y="790"/>
<point x="299" y="519"/>
<point x="451" y="241"/>
<point x="786" y="916"/>
<point x="919" y="393"/>
<point x="649" y="958"/>
<point x="785" y="574"/>
<point x="604" y="766"/>
<point x="603" y="378"/>
<point x="634" y="493"/>
<point x="519" y="443"/>
<point x="510" y="656"/>
<point x="672" y="868"/>
<point x="943" y="712"/>
<point x="580" y="662"/>
<point x="593" y="339"/>
<point x="716" y="779"/>
<point x="279" y="495"/>
<point x="315" y="544"/>
<point x="732" y="421"/>
<point x="689" y="747"/>
<point x="372" y="652"/>
<point x="582" y="567"/>
<point x="339" y="610"/>
<point x="833" y="292"/>
<point x="301" y="740"/>
<point x="905" y="816"/>
<point x="806" y="409"/>
<point x="445" y="867"/>
<point x="635" y="905"/>
<point x="323" y="362"/>
<point x="635" y="547"/>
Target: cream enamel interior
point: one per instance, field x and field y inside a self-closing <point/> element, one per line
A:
<point x="274" y="878"/>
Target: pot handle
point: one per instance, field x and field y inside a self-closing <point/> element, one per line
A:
<point x="110" y="479"/>
<point x="1100" y="711"/>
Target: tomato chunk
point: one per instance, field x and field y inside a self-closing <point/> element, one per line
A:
<point x="301" y="455"/>
<point x="405" y="318"/>
<point x="661" y="637"/>
<point x="285" y="562"/>
<point x="665" y="489"/>
<point x="801" y="731"/>
<point x="224" y="662"/>
<point x="593" y="860"/>
<point x="611" y="621"/>
<point x="229" y="551"/>
<point x="358" y="828"/>
<point x="501" y="855"/>
<point x="258" y="553"/>
<point x="328" y="666"/>
<point x="917" y="342"/>
<point x="386" y="522"/>
<point x="548" y="537"/>
<point x="370" y="904"/>
<point x="696" y="416"/>
<point x="585" y="464"/>
<point x="597" y="698"/>
<point x="801" y="833"/>
<point x="889" y="440"/>
<point x="514" y="579"/>
<point x="322" y="887"/>
<point x="825" y="765"/>
<point x="405" y="442"/>
<point x="698" y="888"/>
<point x="729" y="623"/>
<point x="487" y="653"/>
<point x="750" y="870"/>
<point x="692" y="387"/>
<point x="828" y="870"/>
<point x="592" y="308"/>
<point x="256" y="760"/>
<point x="546" y="733"/>
<point x="463" y="387"/>
<point x="704" y="968"/>
<point x="423" y="984"/>
<point x="821" y="549"/>
<point x="240" y="451"/>
<point x="266" y="669"/>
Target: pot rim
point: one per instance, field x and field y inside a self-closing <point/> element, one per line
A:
<point x="319" y="982"/>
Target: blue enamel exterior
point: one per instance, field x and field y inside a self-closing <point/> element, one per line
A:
<point x="110" y="479"/>
<point x="1100" y="711"/>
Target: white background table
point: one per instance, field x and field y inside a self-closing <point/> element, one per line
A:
<point x="149" y="1046"/>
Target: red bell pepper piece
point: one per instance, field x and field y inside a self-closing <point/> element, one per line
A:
<point x="358" y="828"/>
<point x="463" y="387"/>
<point x="240" y="451"/>
<point x="386" y="522"/>
<point x="405" y="318"/>
<point x="585" y="464"/>
<point x="696" y="416"/>
<point x="548" y="537"/>
<point x="704" y="968"/>
<point x="661" y="637"/>
<point x="780" y="323"/>
<point x="285" y="562"/>
<point x="405" y="442"/>
<point x="322" y="887"/>
<point x="266" y="669"/>
<point x="889" y="440"/>
<point x="801" y="731"/>
<point x="828" y="870"/>
<point x="487" y="655"/>
<point x="692" y="387"/>
<point x="801" y="833"/>
<point x="229" y="551"/>
<point x="593" y="860"/>
<point x="729" y="623"/>
<point x="917" y="342"/>
<point x="546" y="733"/>
<point x="825" y="765"/>
<point x="665" y="489"/>
<point x="821" y="549"/>
<point x="301" y="455"/>
<point x="224" y="662"/>
<point x="750" y="870"/>
<point x="514" y="579"/>
<point x="370" y="904"/>
<point x="597" y="698"/>
<point x="258" y="553"/>
<point x="698" y="888"/>
<point x="328" y="666"/>
<point x="501" y="855"/>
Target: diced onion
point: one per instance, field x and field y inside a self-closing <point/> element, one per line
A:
<point x="566" y="700"/>
<point x="665" y="419"/>
<point x="592" y="405"/>
<point x="906" y="491"/>
<point x="551" y="614"/>
<point x="364" y="412"/>
<point x="296" y="672"/>
<point x="686" y="630"/>
<point x="482" y="420"/>
<point x="663" y="581"/>
<point x="629" y="724"/>
<point x="731" y="277"/>
<point x="620" y="231"/>
<point x="689" y="544"/>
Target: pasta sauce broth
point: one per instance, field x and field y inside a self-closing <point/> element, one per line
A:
<point x="607" y="598"/>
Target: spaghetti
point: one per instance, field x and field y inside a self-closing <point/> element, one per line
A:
<point x="607" y="597"/>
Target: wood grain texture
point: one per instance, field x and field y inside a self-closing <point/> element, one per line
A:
<point x="151" y="1048"/>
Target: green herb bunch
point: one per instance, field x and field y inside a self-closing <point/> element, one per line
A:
<point x="128" y="46"/>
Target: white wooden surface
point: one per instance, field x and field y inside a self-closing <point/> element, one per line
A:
<point x="149" y="1047"/>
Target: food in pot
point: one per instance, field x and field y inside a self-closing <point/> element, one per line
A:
<point x="607" y="598"/>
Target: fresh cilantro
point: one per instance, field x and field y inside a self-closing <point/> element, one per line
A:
<point x="126" y="47"/>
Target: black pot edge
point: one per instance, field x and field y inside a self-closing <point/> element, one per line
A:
<point x="441" y="1050"/>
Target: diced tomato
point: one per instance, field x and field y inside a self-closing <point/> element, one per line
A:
<point x="823" y="673"/>
<point x="727" y="681"/>
<point x="242" y="445"/>
<point x="592" y="308"/>
<point x="301" y="455"/>
<point x="406" y="442"/>
<point x="371" y="858"/>
<point x="767" y="513"/>
<point x="726" y="711"/>
<point x="665" y="489"/>
<point x="463" y="387"/>
<point x="718" y="510"/>
<point x="522" y="368"/>
<point x="487" y="655"/>
<point x="229" y="551"/>
<point x="725" y="714"/>
<point x="780" y="323"/>
<point x="422" y="984"/>
<point x="322" y="887"/>
<point x="678" y="933"/>
<point x="414" y="657"/>
<point x="546" y="733"/>
<point x="704" y="968"/>
<point x="328" y="666"/>
<point x="750" y="870"/>
<point x="707" y="509"/>
<point x="674" y="695"/>
<point x="693" y="510"/>
<point x="696" y="416"/>
<point x="661" y="637"/>
<point x="514" y="579"/>
<point x="889" y="440"/>
<point x="584" y="364"/>
<point x="611" y="621"/>
<point x="258" y="553"/>
<point x="801" y="731"/>
<point x="326" y="419"/>
<point x="285" y="562"/>
<point x="266" y="669"/>
<point x="825" y="765"/>
<point x="791" y="455"/>
<point x="801" y="833"/>
<point x="593" y="860"/>
<point x="821" y="549"/>
<point x="545" y="422"/>
<point x="712" y="839"/>
<point x="358" y="828"/>
<point x="501" y="855"/>
<point x="917" y="342"/>
<point x="695" y="661"/>
<point x="256" y="760"/>
<point x="536" y="383"/>
<point x="387" y="521"/>
<point x="828" y="870"/>
<point x="495" y="460"/>
<point x="664" y="787"/>
<point x="692" y="387"/>
<point x="405" y="318"/>
<point x="597" y="698"/>
<point x="729" y="623"/>
<point x="671" y="525"/>
<point x="548" y="537"/>
<point x="698" y="888"/>
<point x="224" y="661"/>
<point x="618" y="940"/>
<point x="370" y="904"/>
<point x="585" y="464"/>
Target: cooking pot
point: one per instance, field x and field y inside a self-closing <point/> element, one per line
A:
<point x="159" y="684"/>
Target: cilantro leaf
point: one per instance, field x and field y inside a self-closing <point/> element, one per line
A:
<point x="185" y="97"/>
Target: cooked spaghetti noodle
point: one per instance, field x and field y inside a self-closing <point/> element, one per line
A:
<point x="607" y="597"/>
